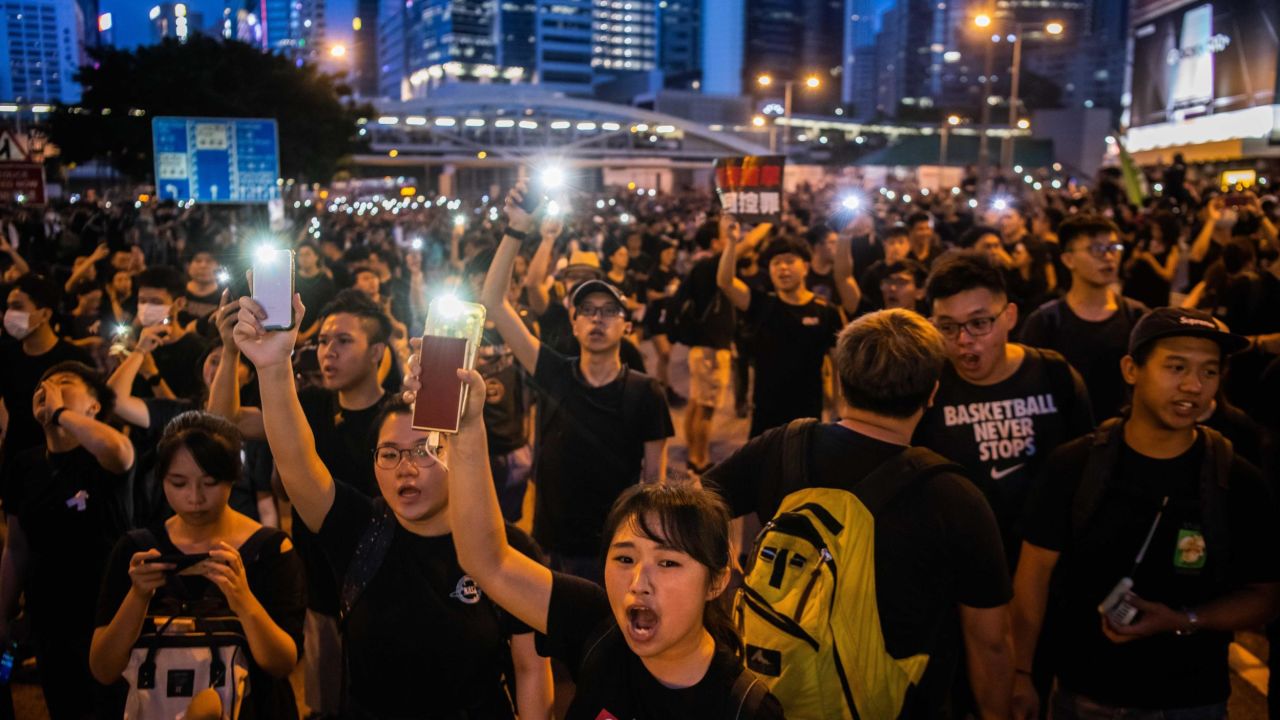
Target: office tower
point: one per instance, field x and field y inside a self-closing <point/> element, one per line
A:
<point x="294" y="28"/>
<point x="680" y="43"/>
<point x="723" y="34"/>
<point x="175" y="21"/>
<point x="45" y="44"/>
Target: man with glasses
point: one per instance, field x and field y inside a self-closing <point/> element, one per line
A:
<point x="1001" y="407"/>
<point x="601" y="426"/>
<point x="1090" y="325"/>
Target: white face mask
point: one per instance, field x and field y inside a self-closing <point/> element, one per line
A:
<point x="150" y="314"/>
<point x="17" y="324"/>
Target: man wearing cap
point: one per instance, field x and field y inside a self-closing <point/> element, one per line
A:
<point x="600" y="424"/>
<point x="1159" y="540"/>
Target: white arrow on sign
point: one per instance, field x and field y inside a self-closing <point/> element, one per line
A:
<point x="10" y="149"/>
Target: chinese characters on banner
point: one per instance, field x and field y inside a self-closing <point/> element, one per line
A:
<point x="750" y="187"/>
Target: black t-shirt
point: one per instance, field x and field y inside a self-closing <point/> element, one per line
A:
<point x="790" y="343"/>
<point x="869" y="282"/>
<point x="1145" y="285"/>
<point x="178" y="364"/>
<point x="199" y="307"/>
<point x="18" y="380"/>
<point x="72" y="512"/>
<point x="1179" y="570"/>
<point x="1092" y="348"/>
<point x="823" y="285"/>
<point x="1002" y="433"/>
<point x="715" y="330"/>
<point x="345" y="447"/>
<point x="275" y="579"/>
<point x="590" y="448"/>
<point x="657" y="313"/>
<point x="937" y="544"/>
<point x="504" y="394"/>
<point x="423" y="635"/>
<point x="316" y="292"/>
<point x="613" y="682"/>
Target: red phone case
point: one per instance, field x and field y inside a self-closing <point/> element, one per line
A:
<point x="439" y="403"/>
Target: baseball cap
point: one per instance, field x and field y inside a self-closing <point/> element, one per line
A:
<point x="589" y="287"/>
<point x="1180" y="322"/>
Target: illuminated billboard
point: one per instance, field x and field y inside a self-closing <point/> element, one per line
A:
<point x="1199" y="59"/>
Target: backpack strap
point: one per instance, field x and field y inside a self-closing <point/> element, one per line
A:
<point x="1061" y="383"/>
<point x="371" y="550"/>
<point x="144" y="538"/>
<point x="1215" y="480"/>
<point x="910" y="467"/>
<point x="747" y="695"/>
<point x="797" y="443"/>
<point x="1104" y="453"/>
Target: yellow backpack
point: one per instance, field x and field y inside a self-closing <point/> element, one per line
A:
<point x="807" y="610"/>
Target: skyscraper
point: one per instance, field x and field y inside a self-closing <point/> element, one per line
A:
<point x="723" y="34"/>
<point x="174" y="21"/>
<point x="44" y="47"/>
<point x="294" y="28"/>
<point x="680" y="43"/>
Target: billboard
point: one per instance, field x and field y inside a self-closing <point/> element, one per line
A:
<point x="1198" y="59"/>
<point x="216" y="160"/>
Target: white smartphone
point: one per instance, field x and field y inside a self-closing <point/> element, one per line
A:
<point x="273" y="286"/>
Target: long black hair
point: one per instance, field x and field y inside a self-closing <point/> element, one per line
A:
<point x="692" y="520"/>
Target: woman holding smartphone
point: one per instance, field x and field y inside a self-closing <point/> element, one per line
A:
<point x="655" y="642"/>
<point x="252" y="568"/>
<point x="421" y="638"/>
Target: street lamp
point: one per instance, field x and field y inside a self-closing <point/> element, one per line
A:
<point x="952" y="121"/>
<point x="338" y="51"/>
<point x="766" y="80"/>
<point x="1054" y="28"/>
<point x="1024" y="124"/>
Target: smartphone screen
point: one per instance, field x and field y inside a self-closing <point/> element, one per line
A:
<point x="273" y="286"/>
<point x="439" y="403"/>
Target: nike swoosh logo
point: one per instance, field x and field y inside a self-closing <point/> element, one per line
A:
<point x="1000" y="474"/>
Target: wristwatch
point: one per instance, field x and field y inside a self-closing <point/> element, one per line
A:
<point x="1193" y="624"/>
<point x="56" y="416"/>
<point x="517" y="234"/>
<point x="155" y="380"/>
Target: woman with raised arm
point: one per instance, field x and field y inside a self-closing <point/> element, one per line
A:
<point x="421" y="638"/>
<point x="655" y="642"/>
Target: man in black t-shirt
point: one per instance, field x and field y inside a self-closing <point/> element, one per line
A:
<point x="1090" y="325"/>
<point x="940" y="576"/>
<point x="602" y="427"/>
<point x="172" y="368"/>
<point x="897" y="247"/>
<point x="1148" y="510"/>
<point x="902" y="286"/>
<point x="925" y="245"/>
<point x="68" y="504"/>
<point x="793" y="330"/>
<point x="1001" y="407"/>
<point x="29" y="348"/>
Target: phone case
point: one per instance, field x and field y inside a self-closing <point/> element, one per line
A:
<point x="451" y="340"/>
<point x="269" y="277"/>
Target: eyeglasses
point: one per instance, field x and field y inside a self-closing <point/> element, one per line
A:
<point x="976" y="327"/>
<point x="1101" y="250"/>
<point x="389" y="457"/>
<point x="608" y="312"/>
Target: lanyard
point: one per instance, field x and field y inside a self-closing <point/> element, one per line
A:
<point x="1150" y="534"/>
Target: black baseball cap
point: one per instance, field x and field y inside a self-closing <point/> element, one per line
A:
<point x="1180" y="322"/>
<point x="589" y="287"/>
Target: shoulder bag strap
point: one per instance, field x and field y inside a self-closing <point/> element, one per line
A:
<point x="1104" y="453"/>
<point x="747" y="695"/>
<point x="371" y="550"/>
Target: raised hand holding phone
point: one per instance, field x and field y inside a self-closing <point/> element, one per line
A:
<point x="265" y="347"/>
<point x="450" y="342"/>
<point x="271" y="285"/>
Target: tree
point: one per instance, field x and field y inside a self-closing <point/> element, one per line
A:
<point x="206" y="77"/>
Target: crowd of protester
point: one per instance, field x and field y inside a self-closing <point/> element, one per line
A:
<point x="1033" y="398"/>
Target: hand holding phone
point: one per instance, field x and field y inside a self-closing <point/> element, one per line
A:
<point x="451" y="341"/>
<point x="1116" y="607"/>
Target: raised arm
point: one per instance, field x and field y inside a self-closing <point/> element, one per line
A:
<point x="224" y="391"/>
<point x="303" y="474"/>
<point x="727" y="271"/>
<point x="18" y="261"/>
<point x="494" y="295"/>
<point x="846" y="286"/>
<point x="108" y="446"/>
<point x="82" y="266"/>
<point x="1030" y="597"/>
<point x="129" y="408"/>
<point x="520" y="585"/>
<point x="1200" y="246"/>
<point x="535" y="278"/>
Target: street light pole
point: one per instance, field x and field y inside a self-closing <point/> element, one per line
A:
<point x="786" y="106"/>
<point x="1006" y="149"/>
<point x="984" y="152"/>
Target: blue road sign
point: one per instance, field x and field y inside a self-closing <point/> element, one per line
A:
<point x="216" y="160"/>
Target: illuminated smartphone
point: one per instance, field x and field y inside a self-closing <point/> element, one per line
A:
<point x="273" y="286"/>
<point x="451" y="341"/>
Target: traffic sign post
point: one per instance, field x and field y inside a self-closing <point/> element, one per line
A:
<point x="216" y="160"/>
<point x="22" y="182"/>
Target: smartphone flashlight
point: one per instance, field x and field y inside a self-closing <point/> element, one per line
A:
<point x="1000" y="204"/>
<point x="552" y="178"/>
<point x="459" y="220"/>
<point x="851" y="202"/>
<point x="122" y="330"/>
<point x="553" y="208"/>
<point x="224" y="277"/>
<point x="416" y="243"/>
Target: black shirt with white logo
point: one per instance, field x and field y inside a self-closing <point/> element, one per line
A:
<point x="937" y="545"/>
<point x="790" y="344"/>
<point x="1180" y="570"/>
<point x="612" y="682"/>
<point x="423" y="634"/>
<point x="1002" y="433"/>
<point x="18" y="382"/>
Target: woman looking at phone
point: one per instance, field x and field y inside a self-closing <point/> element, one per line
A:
<point x="420" y="637"/>
<point x="252" y="568"/>
<point x="654" y="642"/>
